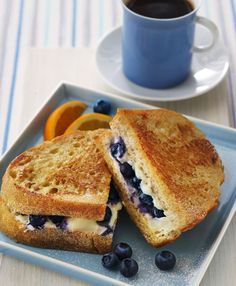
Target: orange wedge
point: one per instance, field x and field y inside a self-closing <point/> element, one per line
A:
<point x="90" y="121"/>
<point x="62" y="117"/>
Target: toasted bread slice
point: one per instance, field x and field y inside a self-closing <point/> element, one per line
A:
<point x="56" y="238"/>
<point x="171" y="161"/>
<point x="66" y="176"/>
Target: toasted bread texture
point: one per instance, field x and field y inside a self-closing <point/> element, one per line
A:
<point x="65" y="176"/>
<point x="178" y="167"/>
<point x="52" y="238"/>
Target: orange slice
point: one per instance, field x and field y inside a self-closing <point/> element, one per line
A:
<point x="62" y="117"/>
<point x="90" y="121"/>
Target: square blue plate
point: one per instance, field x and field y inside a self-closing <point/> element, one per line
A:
<point x="194" y="249"/>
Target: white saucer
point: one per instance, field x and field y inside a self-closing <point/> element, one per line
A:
<point x="208" y="69"/>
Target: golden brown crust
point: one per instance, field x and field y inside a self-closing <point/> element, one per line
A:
<point x="65" y="176"/>
<point x="183" y="167"/>
<point x="52" y="238"/>
<point x="181" y="159"/>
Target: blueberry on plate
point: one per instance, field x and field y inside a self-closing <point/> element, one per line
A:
<point x="165" y="260"/>
<point x="102" y="106"/>
<point x="110" y="260"/>
<point x="37" y="221"/>
<point x="128" y="267"/>
<point x="123" y="250"/>
<point x="127" y="170"/>
<point x="107" y="217"/>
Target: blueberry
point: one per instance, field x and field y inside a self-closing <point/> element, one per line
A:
<point x="56" y="219"/>
<point x="110" y="260"/>
<point x="37" y="221"/>
<point x="113" y="195"/>
<point x="157" y="213"/>
<point x="128" y="267"/>
<point x="107" y="217"/>
<point x="165" y="260"/>
<point x="118" y="149"/>
<point x="135" y="182"/>
<point x="127" y="170"/>
<point x="108" y="230"/>
<point x="143" y="209"/>
<point x="123" y="250"/>
<point x="102" y="106"/>
<point x="63" y="225"/>
<point x="146" y="200"/>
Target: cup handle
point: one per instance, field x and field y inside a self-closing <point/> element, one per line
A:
<point x="212" y="28"/>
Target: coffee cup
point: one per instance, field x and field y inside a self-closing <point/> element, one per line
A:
<point x="157" y="52"/>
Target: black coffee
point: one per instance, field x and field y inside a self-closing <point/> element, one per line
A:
<point x="162" y="9"/>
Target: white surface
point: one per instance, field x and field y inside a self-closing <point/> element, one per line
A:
<point x="208" y="69"/>
<point x="78" y="67"/>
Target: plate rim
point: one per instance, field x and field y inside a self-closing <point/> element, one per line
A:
<point x="148" y="98"/>
<point x="101" y="277"/>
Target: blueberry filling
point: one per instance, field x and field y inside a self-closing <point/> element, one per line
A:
<point x="118" y="148"/>
<point x="113" y="195"/>
<point x="126" y="170"/>
<point x="61" y="222"/>
<point x="56" y="219"/>
<point x="37" y="221"/>
<point x="107" y="218"/>
<point x="145" y="202"/>
<point x="108" y="231"/>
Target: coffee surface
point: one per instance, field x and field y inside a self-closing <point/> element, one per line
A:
<point x="160" y="9"/>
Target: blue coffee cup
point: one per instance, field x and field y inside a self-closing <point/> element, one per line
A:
<point x="157" y="53"/>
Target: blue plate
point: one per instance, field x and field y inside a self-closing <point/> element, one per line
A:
<point x="194" y="249"/>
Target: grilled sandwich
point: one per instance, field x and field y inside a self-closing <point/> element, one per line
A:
<point x="167" y="171"/>
<point x="59" y="194"/>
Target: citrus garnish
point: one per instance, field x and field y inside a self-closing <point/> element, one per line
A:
<point x="62" y="117"/>
<point x="90" y="121"/>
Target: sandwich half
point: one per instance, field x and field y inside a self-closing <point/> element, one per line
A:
<point x="167" y="172"/>
<point x="59" y="194"/>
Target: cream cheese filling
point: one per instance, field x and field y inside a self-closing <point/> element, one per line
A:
<point x="77" y="224"/>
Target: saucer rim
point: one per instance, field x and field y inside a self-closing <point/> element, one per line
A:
<point x="136" y="96"/>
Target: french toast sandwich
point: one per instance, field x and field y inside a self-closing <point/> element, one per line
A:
<point x="167" y="172"/>
<point x="59" y="194"/>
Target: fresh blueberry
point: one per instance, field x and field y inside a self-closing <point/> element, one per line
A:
<point x="108" y="230"/>
<point x="143" y="209"/>
<point x="165" y="260"/>
<point x="135" y="182"/>
<point x="107" y="217"/>
<point x="110" y="260"/>
<point x="102" y="106"/>
<point x="118" y="149"/>
<point x="37" y="221"/>
<point x="56" y="219"/>
<point x="155" y="212"/>
<point x="123" y="250"/>
<point x="128" y="267"/>
<point x="113" y="195"/>
<point x="146" y="200"/>
<point x="63" y="225"/>
<point x="127" y="170"/>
